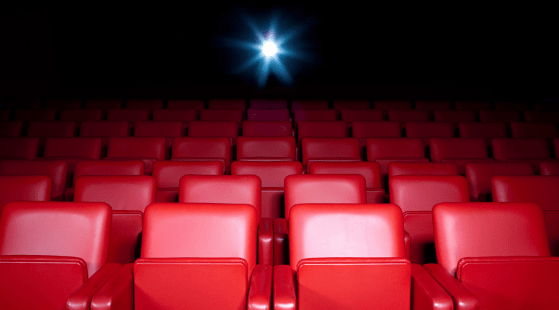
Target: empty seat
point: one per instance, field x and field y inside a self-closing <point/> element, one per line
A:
<point x="146" y="149"/>
<point x="268" y="115"/>
<point x="369" y="170"/>
<point x="386" y="105"/>
<point x="472" y="105"/>
<point x="63" y="104"/>
<point x="236" y="115"/>
<point x="486" y="261"/>
<point x="534" y="130"/>
<point x="177" y="104"/>
<point x="454" y="116"/>
<point x="433" y="105"/>
<point x="512" y="105"/>
<point x="44" y="115"/>
<point x="479" y="177"/>
<point x="483" y="130"/>
<point x="167" y="175"/>
<point x="402" y="168"/>
<point x="129" y="115"/>
<point x="272" y="176"/>
<point x="351" y="105"/>
<point x="222" y="104"/>
<point x="268" y="104"/>
<point x="350" y="116"/>
<point x="81" y="115"/>
<point x="314" y="115"/>
<point x="365" y="129"/>
<point x="167" y="129"/>
<point x="541" y="116"/>
<point x="24" y="188"/>
<point x="403" y="116"/>
<point x="194" y="256"/>
<point x="150" y="104"/>
<point x="532" y="150"/>
<point x="19" y="147"/>
<point x="53" y="255"/>
<point x="267" y="129"/>
<point x="42" y="130"/>
<point x="203" y="149"/>
<point x="104" y="130"/>
<point x="459" y="151"/>
<point x="329" y="150"/>
<point x="103" y="104"/>
<point x="229" y="129"/>
<point x="174" y="115"/>
<point x="266" y="149"/>
<point x="416" y="196"/>
<point x="321" y="129"/>
<point x="505" y="116"/>
<point x="128" y="196"/>
<point x="308" y="104"/>
<point x="55" y="169"/>
<point x="549" y="168"/>
<point x="428" y="130"/>
<point x="541" y="190"/>
<point x="10" y="128"/>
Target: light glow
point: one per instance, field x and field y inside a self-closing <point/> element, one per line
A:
<point x="269" y="48"/>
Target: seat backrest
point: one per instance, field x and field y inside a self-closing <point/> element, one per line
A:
<point x="369" y="170"/>
<point x="24" y="188"/>
<point x="86" y="148"/>
<point x="268" y="104"/>
<point x="174" y="115"/>
<point x="267" y="128"/>
<point x="150" y="104"/>
<point x="55" y="169"/>
<point x="19" y="147"/>
<point x="351" y="105"/>
<point x="203" y="149"/>
<point x="178" y="104"/>
<point x="10" y="128"/>
<point x="108" y="167"/>
<point x="505" y="116"/>
<point x="427" y="130"/>
<point x="483" y="130"/>
<point x="200" y="230"/>
<point x="394" y="147"/>
<point x="124" y="193"/>
<point x="63" y="104"/>
<point x="51" y="129"/>
<point x="366" y="129"/>
<point x="231" y="189"/>
<point x="266" y="148"/>
<point x="135" y="147"/>
<point x="349" y="116"/>
<point x="541" y="190"/>
<point x="81" y="115"/>
<point x="44" y="115"/>
<point x="104" y="129"/>
<point x="386" y="105"/>
<point x="268" y="115"/>
<point x="236" y="115"/>
<point x="403" y="116"/>
<point x="345" y="230"/>
<point x="223" y="104"/>
<point x="541" y="116"/>
<point x="57" y="229"/>
<point x="308" y="104"/>
<point x="487" y="229"/>
<point x="130" y="115"/>
<point x="421" y="193"/>
<point x="445" y="148"/>
<point x="229" y="129"/>
<point x="433" y="105"/>
<point x="167" y="174"/>
<point x="402" y="168"/>
<point x="158" y="129"/>
<point x="341" y="148"/>
<point x="272" y="174"/>
<point x="549" y="168"/>
<point x="103" y="104"/>
<point x="454" y="116"/>
<point x="314" y="115"/>
<point x="323" y="188"/>
<point x="519" y="148"/>
<point x="321" y="129"/>
<point x="479" y="174"/>
<point x="472" y="105"/>
<point x="534" y="130"/>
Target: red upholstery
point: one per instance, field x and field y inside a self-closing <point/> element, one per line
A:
<point x="10" y="128"/>
<point x="53" y="255"/>
<point x="167" y="175"/>
<point x="351" y="105"/>
<point x="541" y="190"/>
<point x="167" y="129"/>
<point x="349" y="116"/>
<point x="185" y="105"/>
<point x="229" y="129"/>
<point x="402" y="168"/>
<point x="268" y="104"/>
<point x="24" y="188"/>
<point x="63" y="104"/>
<point x="129" y="115"/>
<point x="369" y="170"/>
<point x="272" y="176"/>
<point x="103" y="104"/>
<point x="505" y="116"/>
<point x="81" y="115"/>
<point x="104" y="130"/>
<point x="454" y="116"/>
<point x="309" y="104"/>
<point x="203" y="149"/>
<point x="392" y="105"/>
<point x="321" y="129"/>
<point x="541" y="116"/>
<point x="459" y="151"/>
<point x="50" y="129"/>
<point x="221" y="104"/>
<point x="268" y="115"/>
<point x="266" y="148"/>
<point x="314" y="115"/>
<point x="403" y="116"/>
<point x="174" y="115"/>
<point x="472" y="105"/>
<point x="534" y="130"/>
<point x="473" y="243"/>
<point x="45" y="115"/>
<point x="150" y="104"/>
<point x="146" y="149"/>
<point x="427" y="130"/>
<point x="128" y="196"/>
<point x="549" y="168"/>
<point x="55" y="169"/>
<point x="19" y="147"/>
<point x="235" y="115"/>
<point x="433" y="105"/>
<point x="417" y="195"/>
<point x="267" y="129"/>
<point x="512" y="105"/>
<point x="479" y="176"/>
<point x="330" y="150"/>
<point x="483" y="130"/>
<point x="532" y="150"/>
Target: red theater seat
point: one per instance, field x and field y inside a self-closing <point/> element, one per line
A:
<point x="459" y="151"/>
<point x="512" y="105"/>
<point x="428" y="130"/>
<point x="10" y="128"/>
<point x="535" y="130"/>
<point x="541" y="116"/>
<point x="268" y="115"/>
<point x="129" y="115"/>
<point x="167" y="129"/>
<point x="229" y="129"/>
<point x="417" y="195"/>
<point x="366" y="129"/>
<point x="226" y="104"/>
<point x="483" y="130"/>
<point x="532" y="150"/>
<point x="236" y="115"/>
<point x="185" y="105"/>
<point x="549" y="168"/>
<point x="454" y="116"/>
<point x="314" y="188"/>
<point x="401" y="168"/>
<point x="184" y="116"/>
<point x="308" y="104"/>
<point x="433" y="105"/>
<point x="81" y="115"/>
<point x="103" y="104"/>
<point x="479" y="177"/>
<point x="505" y="116"/>
<point x="268" y="104"/>
<point x="330" y="150"/>
<point x="351" y="105"/>
<point x="53" y="255"/>
<point x="167" y="175"/>
<point x="487" y="262"/>
<point x="386" y="105"/>
<point x="150" y="104"/>
<point x="472" y="105"/>
<point x="128" y="196"/>
<point x="314" y="115"/>
<point x="104" y="130"/>
<point x="24" y="188"/>
<point x="350" y="116"/>
<point x="267" y="129"/>
<point x="272" y="176"/>
<point x="55" y="169"/>
<point x="43" y="130"/>
<point x="369" y="170"/>
<point x="19" y="147"/>
<point x="194" y="256"/>
<point x="321" y="129"/>
<point x="203" y="149"/>
<point x="266" y="149"/>
<point x="63" y="104"/>
<point x="541" y="190"/>
<point x="145" y="149"/>
<point x="231" y="189"/>
<point x="403" y="116"/>
<point x="351" y="257"/>
<point x="44" y="115"/>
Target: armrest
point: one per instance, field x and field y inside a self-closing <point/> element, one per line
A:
<point x="407" y="244"/>
<point x="265" y="241"/>
<point x="118" y="292"/>
<point x="281" y="245"/>
<point x="426" y="292"/>
<point x="260" y="291"/>
<point x="284" y="288"/>
<point x="463" y="299"/>
<point x="81" y="298"/>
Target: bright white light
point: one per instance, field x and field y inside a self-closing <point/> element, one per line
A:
<point x="269" y="48"/>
